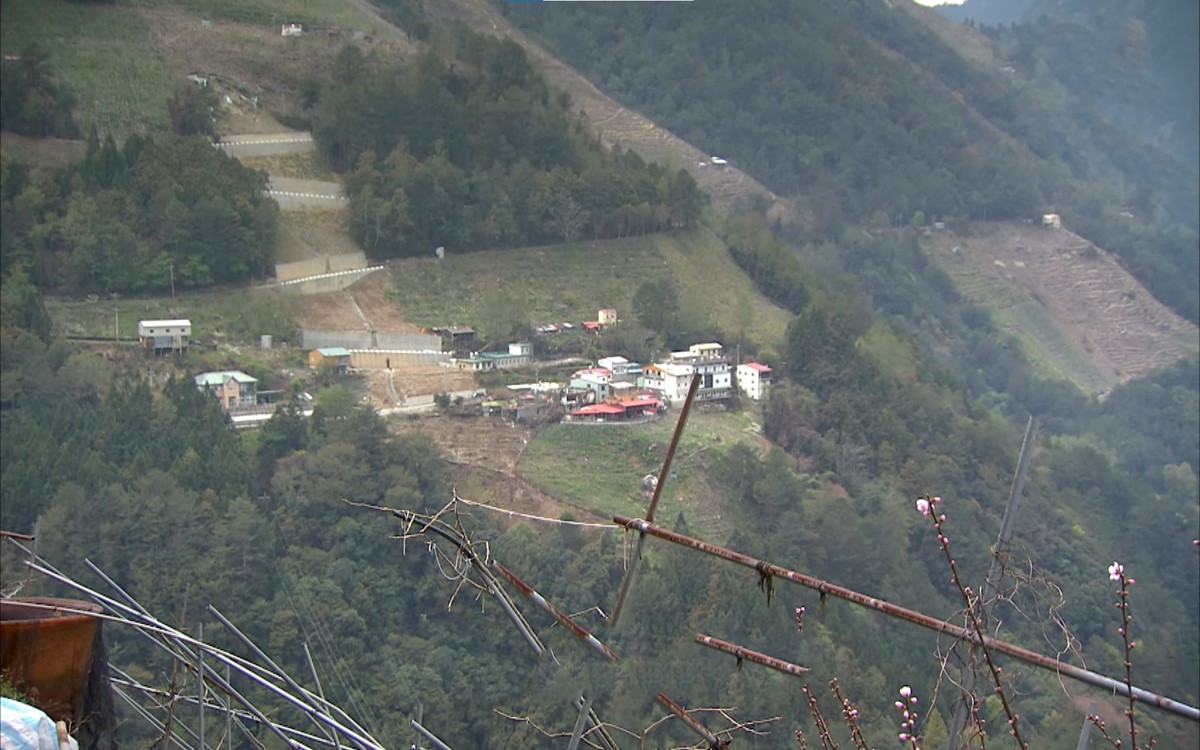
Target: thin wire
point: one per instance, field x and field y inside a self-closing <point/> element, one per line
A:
<point x="543" y="519"/>
<point x="340" y="668"/>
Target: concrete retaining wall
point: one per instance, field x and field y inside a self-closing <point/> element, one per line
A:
<point x="346" y="339"/>
<point x="378" y="359"/>
<point x="405" y="341"/>
<point x="299" y="269"/>
<point x="347" y="261"/>
<point x="317" y="339"/>
<point x="316" y="266"/>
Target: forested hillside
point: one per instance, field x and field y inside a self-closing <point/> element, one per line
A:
<point x="889" y="385"/>
<point x="471" y="150"/>
<point x="137" y="218"/>
<point x="903" y="128"/>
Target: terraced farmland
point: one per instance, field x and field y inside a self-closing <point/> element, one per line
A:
<point x="1083" y="316"/>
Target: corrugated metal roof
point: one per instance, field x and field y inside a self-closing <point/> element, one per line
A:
<point x="219" y="378"/>
<point x="333" y="351"/>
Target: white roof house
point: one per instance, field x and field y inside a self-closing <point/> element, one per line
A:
<point x="164" y="327"/>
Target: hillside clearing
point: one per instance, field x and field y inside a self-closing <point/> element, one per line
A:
<point x="609" y="462"/>
<point x="1090" y="320"/>
<point x="570" y="283"/>
<point x="227" y="315"/>
<point x="98" y="51"/>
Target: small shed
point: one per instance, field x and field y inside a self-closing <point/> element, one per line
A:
<point x="607" y="316"/>
<point x="1051" y="221"/>
<point x="457" y="337"/>
<point x="164" y="336"/>
<point x="331" y="356"/>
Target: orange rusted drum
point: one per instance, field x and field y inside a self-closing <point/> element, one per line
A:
<point x="47" y="652"/>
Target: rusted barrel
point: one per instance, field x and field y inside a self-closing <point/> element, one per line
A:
<point x="47" y="652"/>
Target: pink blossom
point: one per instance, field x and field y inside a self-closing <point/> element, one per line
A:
<point x="905" y="691"/>
<point x="923" y="506"/>
<point x="1116" y="570"/>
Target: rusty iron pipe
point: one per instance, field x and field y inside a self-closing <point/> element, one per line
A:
<point x="917" y="618"/>
<point x="557" y="613"/>
<point x="631" y="574"/>
<point x="713" y="741"/>
<point x="741" y="652"/>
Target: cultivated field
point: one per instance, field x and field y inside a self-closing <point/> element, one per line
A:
<point x="234" y="316"/>
<point x="1089" y="320"/>
<point x="570" y="283"/>
<point x="100" y="52"/>
<point x="610" y="460"/>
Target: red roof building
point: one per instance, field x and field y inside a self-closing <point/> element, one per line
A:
<point x="619" y="410"/>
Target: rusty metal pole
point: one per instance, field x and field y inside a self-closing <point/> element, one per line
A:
<point x="741" y="652"/>
<point x="917" y="618"/>
<point x="713" y="741"/>
<point x="557" y="613"/>
<point x="630" y="574"/>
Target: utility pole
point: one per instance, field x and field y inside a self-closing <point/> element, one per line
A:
<point x="116" y="323"/>
<point x="172" y="269"/>
<point x="992" y="587"/>
<point x="200" y="677"/>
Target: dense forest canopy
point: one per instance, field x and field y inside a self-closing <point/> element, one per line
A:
<point x="136" y="218"/>
<point x="901" y="128"/>
<point x="31" y="102"/>
<point x="472" y="150"/>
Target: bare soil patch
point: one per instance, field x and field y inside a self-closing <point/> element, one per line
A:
<point x="1108" y="318"/>
<point x="328" y="312"/>
<point x="256" y="61"/>
<point x="315" y="232"/>
<point x="484" y="452"/>
<point x="372" y="296"/>
<point x="337" y="310"/>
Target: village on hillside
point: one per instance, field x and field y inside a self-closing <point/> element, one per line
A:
<point x="612" y="389"/>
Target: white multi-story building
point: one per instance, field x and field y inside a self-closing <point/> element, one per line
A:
<point x="754" y="379"/>
<point x="673" y="377"/>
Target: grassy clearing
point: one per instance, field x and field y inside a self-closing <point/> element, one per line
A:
<point x="304" y="166"/>
<point x="1049" y="349"/>
<point x="272" y="12"/>
<point x="101" y="53"/>
<point x="570" y="283"/>
<point x="233" y="316"/>
<point x="600" y="467"/>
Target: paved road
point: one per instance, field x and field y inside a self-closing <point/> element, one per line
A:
<point x="291" y="193"/>
<point x="276" y="144"/>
